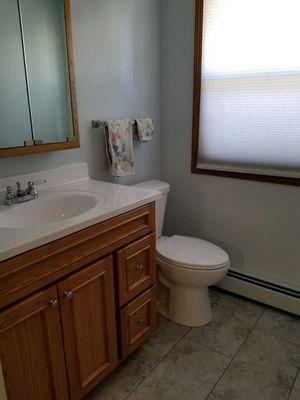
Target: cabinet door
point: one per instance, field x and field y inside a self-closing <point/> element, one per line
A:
<point x="31" y="349"/>
<point x="87" y="302"/>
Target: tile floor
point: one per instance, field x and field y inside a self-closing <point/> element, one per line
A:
<point x="248" y="352"/>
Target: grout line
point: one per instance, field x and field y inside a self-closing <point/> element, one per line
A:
<point x="216" y="351"/>
<point x="172" y="348"/>
<point x="294" y="384"/>
<point x="234" y="357"/>
<point x="219" y="351"/>
<point x="160" y="361"/>
<point x="217" y="382"/>
<point x="270" y="333"/>
<point x="258" y="320"/>
<point x="277" y="337"/>
<point x="229" y="364"/>
<point x="211" y="348"/>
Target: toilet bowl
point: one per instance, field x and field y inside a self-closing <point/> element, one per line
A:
<point x="187" y="266"/>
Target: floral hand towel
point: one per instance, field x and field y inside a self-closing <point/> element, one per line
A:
<point x="145" y="129"/>
<point x="119" y="147"/>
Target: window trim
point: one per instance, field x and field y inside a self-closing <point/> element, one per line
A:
<point x="196" y="118"/>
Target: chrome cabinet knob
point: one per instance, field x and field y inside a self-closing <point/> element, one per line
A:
<point x="54" y="303"/>
<point x="140" y="268"/>
<point x="69" y="295"/>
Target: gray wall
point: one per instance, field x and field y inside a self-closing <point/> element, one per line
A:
<point x="116" y="45"/>
<point x="257" y="223"/>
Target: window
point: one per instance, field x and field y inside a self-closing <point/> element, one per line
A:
<point x="247" y="89"/>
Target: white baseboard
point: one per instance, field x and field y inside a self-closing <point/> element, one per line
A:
<point x="264" y="295"/>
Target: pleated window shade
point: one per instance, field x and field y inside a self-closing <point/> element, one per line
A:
<point x="250" y="87"/>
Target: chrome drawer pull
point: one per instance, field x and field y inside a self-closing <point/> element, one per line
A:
<point x="140" y="268"/>
<point x="54" y="303"/>
<point x="69" y="295"/>
<point x="141" y="321"/>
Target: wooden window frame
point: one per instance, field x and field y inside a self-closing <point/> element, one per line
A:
<point x="75" y="143"/>
<point x="196" y="118"/>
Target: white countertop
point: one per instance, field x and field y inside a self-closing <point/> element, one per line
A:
<point x="114" y="200"/>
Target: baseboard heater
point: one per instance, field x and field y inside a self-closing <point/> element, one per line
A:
<point x="257" y="289"/>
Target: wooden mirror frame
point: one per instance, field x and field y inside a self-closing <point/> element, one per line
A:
<point x="75" y="143"/>
<point x="196" y="118"/>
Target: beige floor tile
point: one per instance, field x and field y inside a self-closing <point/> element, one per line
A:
<point x="161" y="342"/>
<point x="215" y="296"/>
<point x="264" y="369"/>
<point x="280" y="324"/>
<point x="233" y="319"/>
<point x="295" y="393"/>
<point x="121" y="382"/>
<point x="189" y="372"/>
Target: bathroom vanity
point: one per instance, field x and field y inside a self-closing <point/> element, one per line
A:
<point x="75" y="307"/>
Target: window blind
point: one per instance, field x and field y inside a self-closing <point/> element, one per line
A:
<point x="250" y="87"/>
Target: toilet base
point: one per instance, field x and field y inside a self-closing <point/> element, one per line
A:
<point x="187" y="306"/>
<point x="190" y="307"/>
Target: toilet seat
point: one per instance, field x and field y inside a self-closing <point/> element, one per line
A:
<point x="191" y="253"/>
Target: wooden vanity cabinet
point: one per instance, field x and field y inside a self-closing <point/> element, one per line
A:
<point x="63" y="338"/>
<point x="31" y="349"/>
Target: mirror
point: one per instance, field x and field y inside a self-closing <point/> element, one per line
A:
<point x="38" y="109"/>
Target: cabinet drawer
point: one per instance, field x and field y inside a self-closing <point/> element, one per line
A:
<point x="138" y="321"/>
<point x="136" y="268"/>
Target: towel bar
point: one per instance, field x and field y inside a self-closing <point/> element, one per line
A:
<point x="98" y="124"/>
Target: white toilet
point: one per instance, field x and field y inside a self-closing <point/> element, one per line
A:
<point x="187" y="267"/>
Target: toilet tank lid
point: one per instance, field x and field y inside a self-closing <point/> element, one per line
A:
<point x="154" y="184"/>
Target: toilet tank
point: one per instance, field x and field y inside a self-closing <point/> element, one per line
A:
<point x="160" y="205"/>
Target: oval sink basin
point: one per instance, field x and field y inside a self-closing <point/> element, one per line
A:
<point x="49" y="208"/>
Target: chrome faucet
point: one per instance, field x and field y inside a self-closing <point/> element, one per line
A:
<point x="21" y="196"/>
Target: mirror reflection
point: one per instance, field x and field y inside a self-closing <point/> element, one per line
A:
<point x="35" y="98"/>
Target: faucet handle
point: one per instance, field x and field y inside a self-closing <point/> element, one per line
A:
<point x="32" y="184"/>
<point x="10" y="190"/>
<point x="31" y="187"/>
<point x="10" y="196"/>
